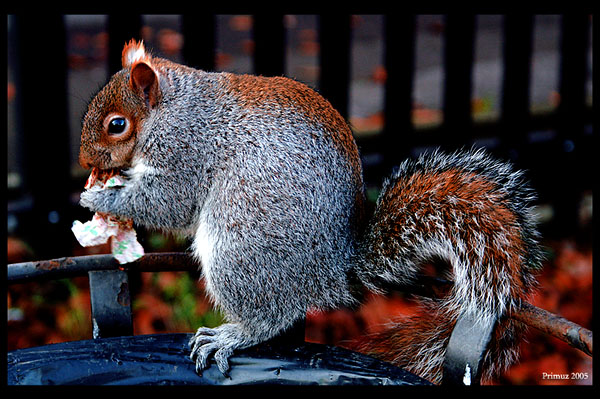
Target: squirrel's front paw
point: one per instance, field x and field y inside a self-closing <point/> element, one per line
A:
<point x="221" y="341"/>
<point x="86" y="200"/>
<point x="97" y="200"/>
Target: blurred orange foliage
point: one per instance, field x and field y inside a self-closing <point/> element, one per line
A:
<point x="59" y="311"/>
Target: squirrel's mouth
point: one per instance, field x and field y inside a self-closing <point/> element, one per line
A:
<point x="100" y="175"/>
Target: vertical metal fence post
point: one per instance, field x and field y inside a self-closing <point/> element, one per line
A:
<point x="458" y="67"/>
<point x="269" y="45"/>
<point x="199" y="40"/>
<point x="517" y="48"/>
<point x="335" y="39"/>
<point x="122" y="28"/>
<point x="43" y="118"/>
<point x="466" y="349"/>
<point x="111" y="303"/>
<point x="398" y="133"/>
<point x="572" y="147"/>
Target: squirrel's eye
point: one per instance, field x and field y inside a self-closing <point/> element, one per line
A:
<point x="117" y="126"/>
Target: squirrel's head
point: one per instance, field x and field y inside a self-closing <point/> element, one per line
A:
<point x="116" y="114"/>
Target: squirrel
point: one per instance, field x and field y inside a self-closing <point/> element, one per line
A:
<point x="264" y="176"/>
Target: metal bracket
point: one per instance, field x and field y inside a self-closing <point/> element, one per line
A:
<point x="466" y="347"/>
<point x="111" y="304"/>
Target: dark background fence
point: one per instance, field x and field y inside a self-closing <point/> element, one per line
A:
<point x="555" y="147"/>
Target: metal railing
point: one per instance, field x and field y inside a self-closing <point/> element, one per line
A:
<point x="111" y="304"/>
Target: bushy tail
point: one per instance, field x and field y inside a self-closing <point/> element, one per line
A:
<point x="473" y="213"/>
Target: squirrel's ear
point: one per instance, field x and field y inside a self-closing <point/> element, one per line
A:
<point x="144" y="79"/>
<point x="133" y="52"/>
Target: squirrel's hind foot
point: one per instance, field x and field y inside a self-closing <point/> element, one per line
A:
<point x="221" y="341"/>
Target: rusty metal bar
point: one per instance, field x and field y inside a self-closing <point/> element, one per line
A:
<point x="559" y="327"/>
<point x="567" y="331"/>
<point x="81" y="265"/>
<point x="571" y="333"/>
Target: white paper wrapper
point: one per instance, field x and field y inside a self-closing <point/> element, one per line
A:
<point x="125" y="247"/>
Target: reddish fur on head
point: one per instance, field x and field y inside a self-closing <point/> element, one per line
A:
<point x="130" y="95"/>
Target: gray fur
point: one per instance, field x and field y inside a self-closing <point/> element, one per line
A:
<point x="270" y="201"/>
<point x="268" y="189"/>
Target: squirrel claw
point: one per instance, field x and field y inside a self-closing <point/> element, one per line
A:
<point x="218" y="341"/>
